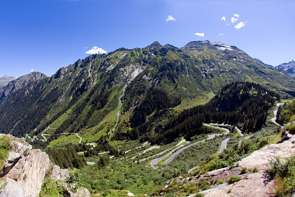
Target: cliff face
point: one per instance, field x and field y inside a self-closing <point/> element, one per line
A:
<point x="20" y="82"/>
<point x="25" y="169"/>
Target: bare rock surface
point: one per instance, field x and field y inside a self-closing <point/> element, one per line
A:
<point x="13" y="189"/>
<point x="260" y="159"/>
<point x="59" y="174"/>
<point x="253" y="184"/>
<point x="25" y="170"/>
<point x="81" y="192"/>
<point x="34" y="172"/>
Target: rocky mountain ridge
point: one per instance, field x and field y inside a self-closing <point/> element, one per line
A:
<point x="19" y="83"/>
<point x="25" y="169"/>
<point x="288" y="67"/>
<point x="5" y="80"/>
<point x="83" y="96"/>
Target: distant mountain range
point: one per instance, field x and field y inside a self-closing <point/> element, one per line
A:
<point x="5" y="79"/>
<point x="102" y="94"/>
<point x="288" y="67"/>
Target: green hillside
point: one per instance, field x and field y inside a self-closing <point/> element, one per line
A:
<point x="104" y="94"/>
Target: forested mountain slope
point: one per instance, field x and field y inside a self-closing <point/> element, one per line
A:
<point x="103" y="94"/>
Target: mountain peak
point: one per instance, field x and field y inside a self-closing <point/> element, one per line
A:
<point x="20" y="82"/>
<point x="288" y="67"/>
<point x="155" y="45"/>
<point x="169" y="46"/>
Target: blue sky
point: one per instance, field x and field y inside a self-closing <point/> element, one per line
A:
<point x="45" y="35"/>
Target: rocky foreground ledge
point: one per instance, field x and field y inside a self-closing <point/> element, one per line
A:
<point x="252" y="184"/>
<point x="25" y="169"/>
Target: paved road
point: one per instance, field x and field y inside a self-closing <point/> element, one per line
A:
<point x="79" y="137"/>
<point x="210" y="137"/>
<point x="179" y="151"/>
<point x="240" y="132"/>
<point x="155" y="161"/>
<point x="216" y="127"/>
<point x="223" y="145"/>
<point x="240" y="142"/>
<point x="275" y="113"/>
<point x="45" y="139"/>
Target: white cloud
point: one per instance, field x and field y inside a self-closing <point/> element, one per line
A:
<point x="223" y="18"/>
<point x="200" y="34"/>
<point x="32" y="70"/>
<point x="95" y="50"/>
<point x="233" y="19"/>
<point x="236" y="15"/>
<point x="221" y="34"/>
<point x="240" y="25"/>
<point x="170" y="18"/>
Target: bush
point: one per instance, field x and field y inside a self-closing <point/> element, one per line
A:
<point x="278" y="169"/>
<point x="234" y="179"/>
<point x="255" y="170"/>
<point x="244" y="171"/>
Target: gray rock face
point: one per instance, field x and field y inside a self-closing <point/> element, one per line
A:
<point x="25" y="170"/>
<point x="12" y="159"/>
<point x="5" y="80"/>
<point x="59" y="174"/>
<point x="27" y="175"/>
<point x="288" y="67"/>
<point x="13" y="189"/>
<point x="81" y="192"/>
<point x="20" y="82"/>
<point x="33" y="172"/>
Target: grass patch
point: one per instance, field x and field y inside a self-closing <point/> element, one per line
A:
<point x="192" y="102"/>
<point x="233" y="179"/>
<point x="283" y="171"/>
<point x="4" y="149"/>
<point x="63" y="140"/>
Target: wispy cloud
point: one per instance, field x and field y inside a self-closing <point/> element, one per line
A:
<point x="237" y="15"/>
<point x="233" y="19"/>
<point x="240" y="25"/>
<point x="221" y="34"/>
<point x="223" y="18"/>
<point x="170" y="18"/>
<point x="200" y="34"/>
<point x="95" y="50"/>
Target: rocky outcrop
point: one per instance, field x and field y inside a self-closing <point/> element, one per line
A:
<point x="288" y="67"/>
<point x="253" y="184"/>
<point x="25" y="169"/>
<point x="20" y="82"/>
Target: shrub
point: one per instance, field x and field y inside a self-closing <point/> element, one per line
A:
<point x="4" y="148"/>
<point x="233" y="179"/>
<point x="278" y="169"/>
<point x="284" y="174"/>
<point x="244" y="171"/>
<point x="255" y="170"/>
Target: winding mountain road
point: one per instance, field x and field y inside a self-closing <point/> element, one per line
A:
<point x="210" y="137"/>
<point x="223" y="145"/>
<point x="275" y="113"/>
<point x="79" y="137"/>
<point x="245" y="138"/>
